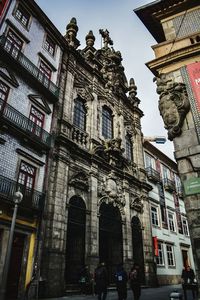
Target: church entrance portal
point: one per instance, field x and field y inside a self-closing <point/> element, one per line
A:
<point x="75" y="248"/>
<point x="137" y="242"/>
<point x="110" y="238"/>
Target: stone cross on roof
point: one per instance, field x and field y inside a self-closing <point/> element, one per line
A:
<point x="106" y="38"/>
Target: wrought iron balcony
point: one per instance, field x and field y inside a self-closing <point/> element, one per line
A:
<point x="25" y="125"/>
<point x="179" y="191"/>
<point x="32" y="199"/>
<point x="152" y="174"/>
<point x="18" y="56"/>
<point x="169" y="185"/>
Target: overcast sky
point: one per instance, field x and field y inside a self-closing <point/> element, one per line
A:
<point x="130" y="37"/>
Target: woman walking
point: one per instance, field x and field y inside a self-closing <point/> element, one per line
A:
<point x="135" y="281"/>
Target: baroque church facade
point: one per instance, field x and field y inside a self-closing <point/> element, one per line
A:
<point x="97" y="206"/>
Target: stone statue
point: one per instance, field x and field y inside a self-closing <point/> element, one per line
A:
<point x="173" y="104"/>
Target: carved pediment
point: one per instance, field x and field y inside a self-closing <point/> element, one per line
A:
<point x="40" y="102"/>
<point x="173" y="104"/>
<point x="110" y="191"/>
<point x="8" y="75"/>
<point x="80" y="181"/>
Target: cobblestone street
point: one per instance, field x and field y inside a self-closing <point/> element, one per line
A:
<point x="160" y="293"/>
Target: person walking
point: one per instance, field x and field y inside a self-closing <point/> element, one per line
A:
<point x="101" y="281"/>
<point x="121" y="279"/>
<point x="135" y="281"/>
<point x="188" y="277"/>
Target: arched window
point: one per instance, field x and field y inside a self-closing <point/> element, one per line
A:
<point x="129" y="148"/>
<point x="107" y="123"/>
<point x="79" y="114"/>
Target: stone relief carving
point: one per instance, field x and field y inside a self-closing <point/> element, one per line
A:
<point x="111" y="151"/>
<point x="173" y="104"/>
<point x="80" y="181"/>
<point x="136" y="203"/>
<point x="110" y="191"/>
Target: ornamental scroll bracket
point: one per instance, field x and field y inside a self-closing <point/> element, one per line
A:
<point x="173" y="104"/>
<point x="110" y="191"/>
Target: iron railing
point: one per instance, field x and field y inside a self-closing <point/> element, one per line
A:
<point x="12" y="115"/>
<point x="152" y="174"/>
<point x="32" y="199"/>
<point x="15" y="53"/>
<point x="169" y="184"/>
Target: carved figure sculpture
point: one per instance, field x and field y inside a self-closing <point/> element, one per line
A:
<point x="173" y="104"/>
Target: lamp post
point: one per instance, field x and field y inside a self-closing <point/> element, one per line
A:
<point x="17" y="198"/>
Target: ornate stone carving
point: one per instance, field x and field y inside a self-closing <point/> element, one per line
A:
<point x="111" y="151"/>
<point x="71" y="33"/>
<point x="173" y="104"/>
<point x="136" y="203"/>
<point x="80" y="181"/>
<point x="110" y="65"/>
<point x="132" y="93"/>
<point x="110" y="191"/>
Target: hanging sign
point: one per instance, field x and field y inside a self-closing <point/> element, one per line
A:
<point x="194" y="75"/>
<point x="192" y="186"/>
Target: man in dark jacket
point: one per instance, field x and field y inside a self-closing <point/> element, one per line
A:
<point x="101" y="281"/>
<point x="188" y="277"/>
<point x="121" y="282"/>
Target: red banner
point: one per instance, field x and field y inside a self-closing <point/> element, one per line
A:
<point x="194" y="75"/>
<point x="155" y="245"/>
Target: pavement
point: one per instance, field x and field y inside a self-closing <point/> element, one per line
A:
<point x="159" y="293"/>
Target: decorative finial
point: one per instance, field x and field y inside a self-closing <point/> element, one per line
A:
<point x="71" y="33"/>
<point x="90" y="38"/>
<point x="132" y="88"/>
<point x="106" y="38"/>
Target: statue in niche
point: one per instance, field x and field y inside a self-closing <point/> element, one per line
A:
<point x="173" y="104"/>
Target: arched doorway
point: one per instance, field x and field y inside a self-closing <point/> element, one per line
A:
<point x="137" y="243"/>
<point x="75" y="248"/>
<point x="110" y="238"/>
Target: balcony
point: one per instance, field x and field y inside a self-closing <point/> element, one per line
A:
<point x="28" y="128"/>
<point x="79" y="137"/>
<point x="23" y="61"/>
<point x="169" y="185"/>
<point x="152" y="174"/>
<point x="179" y="191"/>
<point x="32" y="199"/>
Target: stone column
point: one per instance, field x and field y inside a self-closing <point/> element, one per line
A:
<point x="92" y="258"/>
<point x="53" y="260"/>
<point x="149" y="264"/>
<point x="126" y="230"/>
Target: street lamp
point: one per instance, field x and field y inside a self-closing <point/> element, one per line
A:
<point x="156" y="139"/>
<point x="17" y="198"/>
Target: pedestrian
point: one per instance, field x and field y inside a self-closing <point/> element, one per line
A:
<point x="135" y="281"/>
<point x="101" y="281"/>
<point x="121" y="279"/>
<point x="85" y="281"/>
<point x="188" y="277"/>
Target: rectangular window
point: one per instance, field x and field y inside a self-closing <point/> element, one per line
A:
<point x="22" y="15"/>
<point x="45" y="73"/>
<point x="37" y="121"/>
<point x="49" y="45"/>
<point x="4" y="90"/>
<point x="170" y="255"/>
<point x="26" y="176"/>
<point x="149" y="161"/>
<point x="185" y="227"/>
<point x="171" y="221"/>
<point x="165" y="172"/>
<point x="13" y="44"/>
<point x="154" y="216"/>
<point x="160" y="257"/>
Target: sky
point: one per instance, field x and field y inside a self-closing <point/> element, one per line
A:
<point x="129" y="36"/>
